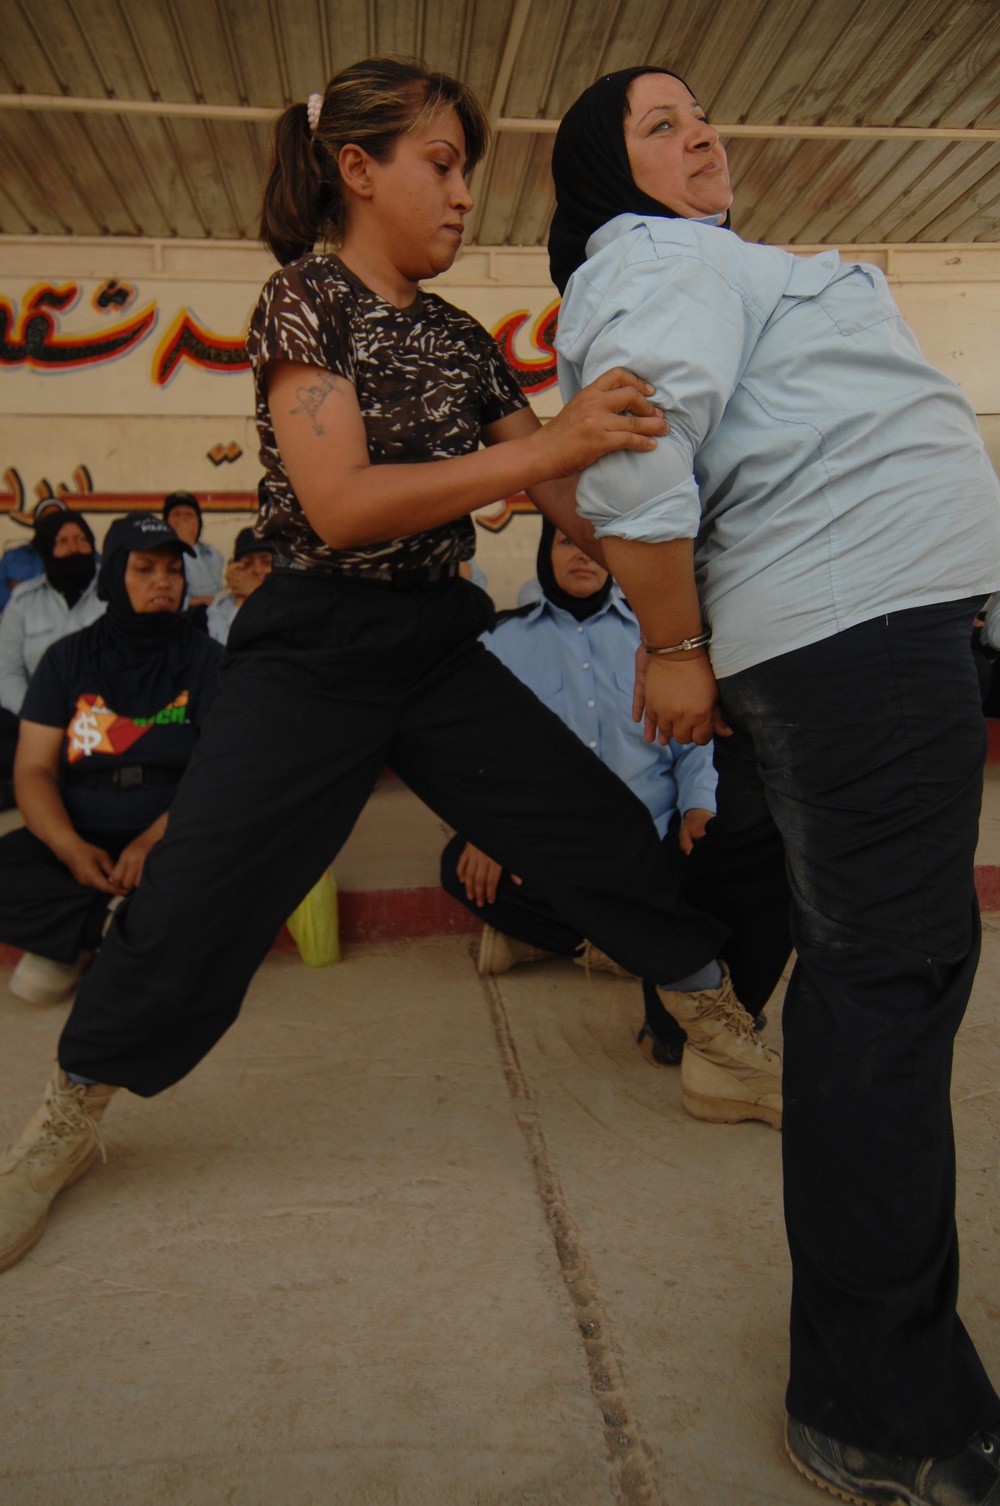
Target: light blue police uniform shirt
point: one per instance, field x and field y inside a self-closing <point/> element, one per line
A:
<point x="826" y="471"/>
<point x="584" y="672"/>
<point x="203" y="572"/>
<point x="35" y="617"/>
<point x="220" y="615"/>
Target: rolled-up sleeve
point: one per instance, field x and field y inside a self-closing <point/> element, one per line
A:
<point x="680" y="325"/>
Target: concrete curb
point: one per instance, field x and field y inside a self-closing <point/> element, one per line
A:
<point x="376" y="915"/>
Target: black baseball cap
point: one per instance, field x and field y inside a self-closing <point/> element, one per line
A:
<point x="141" y="530"/>
<point x="180" y="499"/>
<point x="247" y="542"/>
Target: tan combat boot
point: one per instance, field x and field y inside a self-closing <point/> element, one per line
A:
<point x="594" y="960"/>
<point x="56" y="1148"/>
<point x="498" y="953"/>
<point x="42" y="981"/>
<point x="727" y="1073"/>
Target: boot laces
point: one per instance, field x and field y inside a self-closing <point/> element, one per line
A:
<point x="587" y="954"/>
<point x="67" y="1117"/>
<point x="730" y="1012"/>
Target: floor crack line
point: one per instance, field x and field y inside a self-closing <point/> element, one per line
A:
<point x="631" y="1476"/>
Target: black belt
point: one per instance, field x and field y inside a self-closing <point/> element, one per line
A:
<point x="124" y="776"/>
<point x="399" y="577"/>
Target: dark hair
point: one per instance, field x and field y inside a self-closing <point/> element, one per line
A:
<point x="371" y="104"/>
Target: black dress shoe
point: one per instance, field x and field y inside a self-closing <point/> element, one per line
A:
<point x="969" y="1478"/>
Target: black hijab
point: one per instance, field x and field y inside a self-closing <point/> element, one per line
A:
<point x="580" y="607"/>
<point x="70" y="574"/>
<point x="145" y="654"/>
<point x="592" y="175"/>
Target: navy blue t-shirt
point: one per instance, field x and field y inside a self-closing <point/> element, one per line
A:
<point x="156" y="725"/>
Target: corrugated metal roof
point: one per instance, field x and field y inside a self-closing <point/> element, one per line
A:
<point x="772" y="63"/>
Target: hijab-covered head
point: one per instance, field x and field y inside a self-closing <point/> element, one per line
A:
<point x="182" y="499"/>
<point x="69" y="574"/>
<point x="591" y="170"/>
<point x="137" y="533"/>
<point x="580" y="607"/>
<point x="144" y="656"/>
<point x="46" y="506"/>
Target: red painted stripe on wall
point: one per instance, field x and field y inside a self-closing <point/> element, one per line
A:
<point x="373" y="915"/>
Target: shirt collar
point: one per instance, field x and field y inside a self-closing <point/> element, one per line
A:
<point x="623" y="223"/>
<point x="615" y="603"/>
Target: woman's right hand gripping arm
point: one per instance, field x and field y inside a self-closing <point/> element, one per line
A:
<point x="348" y="501"/>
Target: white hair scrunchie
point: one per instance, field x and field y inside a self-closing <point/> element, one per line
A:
<point x="314" y="105"/>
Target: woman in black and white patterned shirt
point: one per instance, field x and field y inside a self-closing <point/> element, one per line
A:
<point x="361" y="648"/>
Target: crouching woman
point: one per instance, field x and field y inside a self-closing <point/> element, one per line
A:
<point x="109" y="722"/>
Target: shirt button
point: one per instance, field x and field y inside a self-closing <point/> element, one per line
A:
<point x="592" y="745"/>
<point x="591" y="704"/>
<point x="586" y="664"/>
<point x="580" y="628"/>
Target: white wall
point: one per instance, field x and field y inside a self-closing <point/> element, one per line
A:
<point x="139" y="437"/>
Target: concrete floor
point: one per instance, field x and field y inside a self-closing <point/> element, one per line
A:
<point x="407" y="1238"/>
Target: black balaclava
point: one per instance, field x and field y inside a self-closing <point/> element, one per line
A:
<point x="591" y="170"/>
<point x="71" y="574"/>
<point x="580" y="607"/>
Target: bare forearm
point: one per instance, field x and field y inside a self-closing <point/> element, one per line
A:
<point x="556" y="500"/>
<point x="658" y="580"/>
<point x="153" y="833"/>
<point x="44" y="813"/>
<point x="322" y="438"/>
<point x="382" y="502"/>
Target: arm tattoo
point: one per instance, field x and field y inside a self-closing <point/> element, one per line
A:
<point x="311" y="399"/>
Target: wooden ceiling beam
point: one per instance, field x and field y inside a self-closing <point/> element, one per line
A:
<point x="194" y="109"/>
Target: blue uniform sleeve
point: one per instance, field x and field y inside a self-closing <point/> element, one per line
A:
<point x="679" y="324"/>
<point x="695" y="775"/>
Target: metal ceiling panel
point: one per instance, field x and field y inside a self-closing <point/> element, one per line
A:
<point x="775" y="63"/>
<point x="32" y="204"/>
<point x="953" y="183"/>
<point x="44" y="49"/>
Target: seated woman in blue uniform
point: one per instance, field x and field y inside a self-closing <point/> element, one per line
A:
<point x="574" y="644"/>
<point x="109" y="723"/>
<point x="205" y="566"/>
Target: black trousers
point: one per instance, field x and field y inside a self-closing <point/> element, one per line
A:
<point x="736" y="877"/>
<point x="326" y="681"/>
<point x="867" y="751"/>
<point x="42" y="907"/>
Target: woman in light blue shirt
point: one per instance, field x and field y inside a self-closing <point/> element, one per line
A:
<point x="805" y="554"/>
<point x="205" y="569"/>
<point x="56" y="603"/>
<point x="574" y="643"/>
